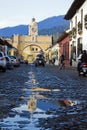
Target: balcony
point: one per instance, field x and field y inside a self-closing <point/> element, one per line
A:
<point x="70" y="35"/>
<point x="85" y="21"/>
<point x="74" y="32"/>
<point x="79" y="28"/>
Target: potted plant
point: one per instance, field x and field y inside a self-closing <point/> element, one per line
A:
<point x="74" y="32"/>
<point x="79" y="27"/>
<point x="85" y="21"/>
<point x="85" y="18"/>
<point x="70" y="35"/>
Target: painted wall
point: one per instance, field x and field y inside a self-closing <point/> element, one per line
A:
<point x="83" y="35"/>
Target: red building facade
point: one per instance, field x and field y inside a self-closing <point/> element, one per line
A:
<point x="64" y="47"/>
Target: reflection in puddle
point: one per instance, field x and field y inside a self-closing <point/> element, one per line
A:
<point x="67" y="103"/>
<point x="26" y="116"/>
<point x="34" y="82"/>
<point x="22" y="121"/>
<point x="39" y="96"/>
<point x="32" y="102"/>
<point x="41" y="89"/>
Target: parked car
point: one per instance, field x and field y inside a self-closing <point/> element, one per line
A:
<point x="15" y="61"/>
<point x="23" y="61"/>
<point x="9" y="64"/>
<point x="2" y="62"/>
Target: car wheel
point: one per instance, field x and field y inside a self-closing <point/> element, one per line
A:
<point x="35" y="65"/>
<point x="84" y="74"/>
<point x="3" y="69"/>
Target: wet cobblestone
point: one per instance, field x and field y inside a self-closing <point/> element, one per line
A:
<point x="11" y="84"/>
<point x="63" y="84"/>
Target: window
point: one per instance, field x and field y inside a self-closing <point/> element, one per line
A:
<point x="71" y="24"/>
<point x="32" y="49"/>
<point x="81" y="15"/>
<point x="36" y="49"/>
<point x="79" y="46"/>
<point x="33" y="38"/>
<point x="73" y="50"/>
<point x="66" y="50"/>
<point x="75" y="21"/>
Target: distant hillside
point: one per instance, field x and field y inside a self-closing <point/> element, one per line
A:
<point x="49" y="26"/>
<point x="9" y="31"/>
<point x="52" y="22"/>
<point x="54" y="30"/>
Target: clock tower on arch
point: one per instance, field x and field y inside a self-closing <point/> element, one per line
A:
<point x="33" y="28"/>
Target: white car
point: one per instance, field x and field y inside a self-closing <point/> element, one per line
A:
<point x="9" y="64"/>
<point x="15" y="61"/>
<point x="2" y="62"/>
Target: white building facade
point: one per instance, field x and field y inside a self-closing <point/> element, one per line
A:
<point x="55" y="53"/>
<point x="77" y="14"/>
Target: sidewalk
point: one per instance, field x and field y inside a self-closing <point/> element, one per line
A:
<point x="71" y="67"/>
<point x="66" y="67"/>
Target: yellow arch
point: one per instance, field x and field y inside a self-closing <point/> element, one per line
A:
<point x="32" y="45"/>
<point x="32" y="56"/>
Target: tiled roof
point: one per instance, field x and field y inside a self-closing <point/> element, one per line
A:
<point x="4" y="42"/>
<point x="74" y="7"/>
<point x="8" y="44"/>
<point x="62" y="36"/>
<point x="1" y="42"/>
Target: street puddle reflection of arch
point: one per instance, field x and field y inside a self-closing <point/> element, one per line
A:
<point x="32" y="104"/>
<point x="45" y="89"/>
<point x="38" y="95"/>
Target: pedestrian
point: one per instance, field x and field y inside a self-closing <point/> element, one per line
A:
<point x="84" y="57"/>
<point x="71" y="61"/>
<point x="79" y="60"/>
<point x="61" y="61"/>
<point x="53" y="61"/>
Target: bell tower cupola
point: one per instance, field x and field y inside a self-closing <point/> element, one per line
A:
<point x="33" y="28"/>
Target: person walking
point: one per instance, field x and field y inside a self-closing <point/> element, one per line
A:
<point x="79" y="60"/>
<point x="84" y="57"/>
<point x="61" y="61"/>
<point x="71" y="61"/>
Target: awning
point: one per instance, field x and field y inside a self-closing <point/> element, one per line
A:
<point x="1" y="42"/>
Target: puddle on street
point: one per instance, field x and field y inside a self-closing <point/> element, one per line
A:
<point x="67" y="103"/>
<point x="26" y="116"/>
<point x="38" y="106"/>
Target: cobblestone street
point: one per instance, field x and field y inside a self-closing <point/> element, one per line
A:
<point x="59" y="99"/>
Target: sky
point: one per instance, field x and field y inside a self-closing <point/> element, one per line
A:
<point x="20" y="12"/>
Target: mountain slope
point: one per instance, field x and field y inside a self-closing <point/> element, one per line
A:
<point x="52" y="22"/>
<point x="9" y="31"/>
<point x="49" y="26"/>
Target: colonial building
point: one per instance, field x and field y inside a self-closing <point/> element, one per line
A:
<point x="32" y="44"/>
<point x="64" y="47"/>
<point x="5" y="46"/>
<point x="77" y="14"/>
<point x="52" y="53"/>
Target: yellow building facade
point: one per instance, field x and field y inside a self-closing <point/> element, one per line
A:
<point x="32" y="44"/>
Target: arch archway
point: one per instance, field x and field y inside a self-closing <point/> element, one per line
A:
<point x="29" y="52"/>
